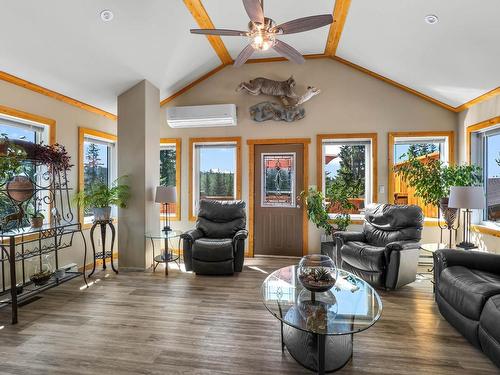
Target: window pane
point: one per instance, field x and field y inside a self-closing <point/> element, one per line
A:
<point x="22" y="133"/>
<point x="96" y="168"/>
<point x="493" y="177"/>
<point x="424" y="150"/>
<point x="167" y="174"/>
<point x="345" y="166"/>
<point x="216" y="172"/>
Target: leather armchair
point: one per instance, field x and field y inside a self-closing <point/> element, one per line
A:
<point x="386" y="252"/>
<point x="216" y="246"/>
<point x="467" y="285"/>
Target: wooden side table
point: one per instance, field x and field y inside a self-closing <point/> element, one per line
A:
<point x="104" y="254"/>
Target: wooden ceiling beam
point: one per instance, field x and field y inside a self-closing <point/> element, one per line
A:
<point x="203" y="20"/>
<point x="479" y="99"/>
<point x="55" y="95"/>
<point x="339" y="16"/>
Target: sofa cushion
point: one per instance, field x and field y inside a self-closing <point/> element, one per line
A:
<point x="490" y="317"/>
<point x="213" y="249"/>
<point x="467" y="290"/>
<point x="363" y="256"/>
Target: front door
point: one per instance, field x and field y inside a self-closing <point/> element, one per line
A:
<point x="278" y="180"/>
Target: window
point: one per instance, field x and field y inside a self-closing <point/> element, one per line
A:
<point x="425" y="146"/>
<point x="215" y="165"/>
<point x="351" y="160"/>
<point x="486" y="153"/>
<point x="18" y="125"/>
<point x="170" y="173"/>
<point x="97" y="164"/>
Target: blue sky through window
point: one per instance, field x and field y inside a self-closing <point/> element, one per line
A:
<point x="218" y="158"/>
<point x="493" y="155"/>
<point x="103" y="153"/>
<point x="13" y="132"/>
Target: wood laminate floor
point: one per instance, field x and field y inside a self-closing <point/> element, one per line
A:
<point x="144" y="323"/>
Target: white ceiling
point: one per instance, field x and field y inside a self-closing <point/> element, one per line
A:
<point x="454" y="61"/>
<point x="230" y="14"/>
<point x="64" y="46"/>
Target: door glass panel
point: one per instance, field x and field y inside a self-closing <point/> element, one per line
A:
<point x="278" y="180"/>
<point x="493" y="177"/>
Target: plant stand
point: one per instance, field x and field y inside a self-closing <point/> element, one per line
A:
<point x="104" y="254"/>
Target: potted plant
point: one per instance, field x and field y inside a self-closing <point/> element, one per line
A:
<point x="318" y="207"/>
<point x="36" y="217"/>
<point x="432" y="179"/>
<point x="100" y="197"/>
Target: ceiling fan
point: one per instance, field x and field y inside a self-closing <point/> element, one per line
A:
<point x="262" y="32"/>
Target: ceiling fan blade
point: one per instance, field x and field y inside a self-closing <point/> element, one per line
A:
<point x="288" y="51"/>
<point x="254" y="10"/>
<point x="244" y="56"/>
<point x="224" y="32"/>
<point x="303" y="24"/>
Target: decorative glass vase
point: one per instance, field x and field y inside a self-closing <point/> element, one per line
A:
<point x="317" y="273"/>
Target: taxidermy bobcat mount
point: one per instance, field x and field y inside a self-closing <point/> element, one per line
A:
<point x="289" y="109"/>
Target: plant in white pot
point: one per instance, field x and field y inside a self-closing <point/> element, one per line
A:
<point x="100" y="197"/>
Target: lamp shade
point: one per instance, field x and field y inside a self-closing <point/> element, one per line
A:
<point x="166" y="194"/>
<point x="468" y="197"/>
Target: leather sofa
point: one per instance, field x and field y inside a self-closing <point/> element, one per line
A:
<point x="467" y="286"/>
<point x="386" y="252"/>
<point x="216" y="246"/>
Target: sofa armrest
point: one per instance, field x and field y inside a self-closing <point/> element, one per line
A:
<point x="402" y="245"/>
<point x="242" y="234"/>
<point x="477" y="260"/>
<point x="192" y="235"/>
<point x="350" y="236"/>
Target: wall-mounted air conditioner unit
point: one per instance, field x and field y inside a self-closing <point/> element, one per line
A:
<point x="202" y="116"/>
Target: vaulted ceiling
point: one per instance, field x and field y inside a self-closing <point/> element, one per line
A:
<point x="64" y="46"/>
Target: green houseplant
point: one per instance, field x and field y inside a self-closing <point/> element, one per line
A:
<point x="433" y="179"/>
<point x="100" y="197"/>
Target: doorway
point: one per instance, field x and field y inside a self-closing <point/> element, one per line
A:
<point x="278" y="173"/>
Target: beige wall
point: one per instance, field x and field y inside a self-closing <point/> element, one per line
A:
<point x="68" y="118"/>
<point x="480" y="112"/>
<point x="350" y="102"/>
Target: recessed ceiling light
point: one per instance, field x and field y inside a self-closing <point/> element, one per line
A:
<point x="431" y="19"/>
<point x="106" y="15"/>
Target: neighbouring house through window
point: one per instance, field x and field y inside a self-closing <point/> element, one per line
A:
<point x="425" y="148"/>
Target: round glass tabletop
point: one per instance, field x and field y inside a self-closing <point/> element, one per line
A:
<point x="161" y="235"/>
<point x="351" y="306"/>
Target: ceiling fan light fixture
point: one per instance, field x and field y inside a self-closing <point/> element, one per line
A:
<point x="262" y="41"/>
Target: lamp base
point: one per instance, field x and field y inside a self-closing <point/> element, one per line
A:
<point x="467" y="245"/>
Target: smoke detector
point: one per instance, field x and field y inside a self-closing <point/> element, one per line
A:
<point x="107" y="15"/>
<point x="431" y="19"/>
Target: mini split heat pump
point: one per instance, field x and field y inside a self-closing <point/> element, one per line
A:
<point x="202" y="116"/>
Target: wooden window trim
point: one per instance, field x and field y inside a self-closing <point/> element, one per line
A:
<point x="373" y="137"/>
<point x="192" y="142"/>
<point x="178" y="152"/>
<point x="390" y="151"/>
<point x="82" y="132"/>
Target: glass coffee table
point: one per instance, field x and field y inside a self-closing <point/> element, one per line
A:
<point x="318" y="332"/>
<point x="168" y="254"/>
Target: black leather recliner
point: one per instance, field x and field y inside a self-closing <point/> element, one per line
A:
<point x="216" y="246"/>
<point x="386" y="252"/>
<point x="467" y="285"/>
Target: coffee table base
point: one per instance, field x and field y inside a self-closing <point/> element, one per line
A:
<point x="319" y="353"/>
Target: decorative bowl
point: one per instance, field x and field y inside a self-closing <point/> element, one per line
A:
<point x="41" y="278"/>
<point x="317" y="273"/>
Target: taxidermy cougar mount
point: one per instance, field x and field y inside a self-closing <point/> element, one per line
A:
<point x="289" y="109"/>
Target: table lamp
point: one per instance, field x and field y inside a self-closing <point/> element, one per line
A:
<point x="166" y="195"/>
<point x="468" y="198"/>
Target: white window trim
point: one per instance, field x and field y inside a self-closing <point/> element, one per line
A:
<point x="369" y="188"/>
<point x="196" y="165"/>
<point x="112" y="160"/>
